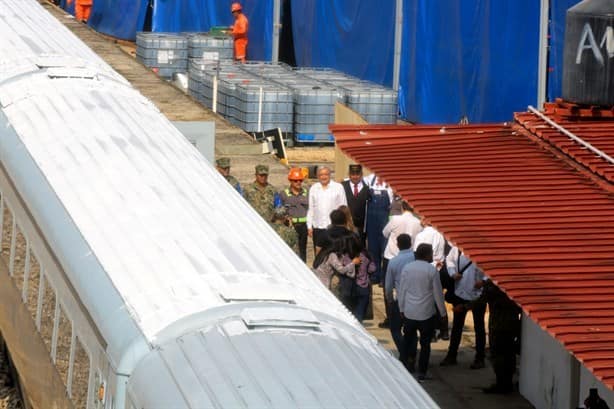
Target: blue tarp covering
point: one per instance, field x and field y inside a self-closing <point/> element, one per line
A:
<point x="354" y="36"/>
<point x="118" y="18"/>
<point x="201" y="15"/>
<point x="475" y="58"/>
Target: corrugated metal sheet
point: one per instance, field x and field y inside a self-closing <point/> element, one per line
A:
<point x="539" y="225"/>
<point x="234" y="365"/>
<point x="596" y="130"/>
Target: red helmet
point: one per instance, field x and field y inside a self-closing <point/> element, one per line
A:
<point x="295" y="174"/>
<point x="235" y="7"/>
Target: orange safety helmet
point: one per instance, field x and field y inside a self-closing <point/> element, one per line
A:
<point x="295" y="174"/>
<point x="235" y="7"/>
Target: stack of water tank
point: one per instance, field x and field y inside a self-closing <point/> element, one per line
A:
<point x="210" y="47"/>
<point x="246" y="100"/>
<point x="376" y="103"/>
<point x="164" y="53"/>
<point x="314" y="101"/>
<point x="258" y="96"/>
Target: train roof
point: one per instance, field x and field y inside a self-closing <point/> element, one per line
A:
<point x="143" y="225"/>
<point x="244" y="361"/>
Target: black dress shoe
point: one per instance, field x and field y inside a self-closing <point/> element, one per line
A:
<point x="448" y="361"/>
<point x="477" y="364"/>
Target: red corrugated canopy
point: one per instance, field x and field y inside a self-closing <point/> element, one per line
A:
<point x="537" y="215"/>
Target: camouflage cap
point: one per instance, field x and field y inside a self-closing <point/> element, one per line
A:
<point x="262" y="170"/>
<point x="223" y="162"/>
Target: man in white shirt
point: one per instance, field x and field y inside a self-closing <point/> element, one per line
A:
<point x="406" y="223"/>
<point x="419" y="293"/>
<point x="468" y="283"/>
<point x="431" y="236"/>
<point x="324" y="197"/>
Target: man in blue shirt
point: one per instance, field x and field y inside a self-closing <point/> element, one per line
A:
<point x="393" y="280"/>
<point x="420" y="296"/>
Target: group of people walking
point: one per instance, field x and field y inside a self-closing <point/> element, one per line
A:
<point x="364" y="234"/>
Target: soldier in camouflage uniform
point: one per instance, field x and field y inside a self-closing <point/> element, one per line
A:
<point x="260" y="194"/>
<point x="281" y="224"/>
<point x="223" y="166"/>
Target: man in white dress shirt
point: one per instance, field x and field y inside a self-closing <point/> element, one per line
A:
<point x="324" y="197"/>
<point x="468" y="283"/>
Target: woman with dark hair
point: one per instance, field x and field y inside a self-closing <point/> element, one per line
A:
<point x="336" y="260"/>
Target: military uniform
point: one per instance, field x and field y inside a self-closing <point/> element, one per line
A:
<point x="234" y="183"/>
<point x="287" y="234"/>
<point x="223" y="165"/>
<point x="262" y="198"/>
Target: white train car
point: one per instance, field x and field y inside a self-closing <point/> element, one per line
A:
<point x="132" y="275"/>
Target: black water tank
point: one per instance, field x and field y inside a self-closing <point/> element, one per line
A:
<point x="588" y="70"/>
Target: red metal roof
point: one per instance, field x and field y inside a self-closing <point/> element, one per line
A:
<point x="537" y="223"/>
<point x="597" y="130"/>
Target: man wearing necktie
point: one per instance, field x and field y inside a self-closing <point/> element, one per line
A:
<point x="356" y="194"/>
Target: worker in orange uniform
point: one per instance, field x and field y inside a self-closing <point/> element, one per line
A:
<point x="239" y="32"/>
<point x="82" y="9"/>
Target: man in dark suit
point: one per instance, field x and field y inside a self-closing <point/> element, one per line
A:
<point x="357" y="194"/>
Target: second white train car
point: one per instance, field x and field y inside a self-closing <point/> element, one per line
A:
<point x="132" y="275"/>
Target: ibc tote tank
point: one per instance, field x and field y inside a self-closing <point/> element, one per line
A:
<point x="588" y="69"/>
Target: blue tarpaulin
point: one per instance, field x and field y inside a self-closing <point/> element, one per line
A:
<point x="354" y="36"/>
<point x="476" y="59"/>
<point x="118" y="18"/>
<point x="200" y="15"/>
<point x="459" y="58"/>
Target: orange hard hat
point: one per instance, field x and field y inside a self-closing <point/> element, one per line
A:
<point x="235" y="7"/>
<point x="295" y="174"/>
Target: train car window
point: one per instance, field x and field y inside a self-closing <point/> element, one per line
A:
<point x="80" y="376"/>
<point x="7" y="232"/>
<point x="19" y="258"/>
<point x="47" y="314"/>
<point x="62" y="351"/>
<point x="33" y="284"/>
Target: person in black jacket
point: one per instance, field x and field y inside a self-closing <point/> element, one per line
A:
<point x="357" y="194"/>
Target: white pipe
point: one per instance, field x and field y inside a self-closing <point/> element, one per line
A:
<point x="260" y="110"/>
<point x="276" y="30"/>
<point x="542" y="70"/>
<point x="398" y="42"/>
<point x="214" y="102"/>
<point x="572" y="136"/>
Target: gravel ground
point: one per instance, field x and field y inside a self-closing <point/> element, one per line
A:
<point x="9" y="397"/>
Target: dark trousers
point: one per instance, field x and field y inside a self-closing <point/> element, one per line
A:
<point x="503" y="356"/>
<point x="396" y="325"/>
<point x="301" y="233"/>
<point x="478" y="311"/>
<point x="376" y="242"/>
<point x="318" y="236"/>
<point x="426" y="329"/>
<point x="360" y="301"/>
<point x="386" y="307"/>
